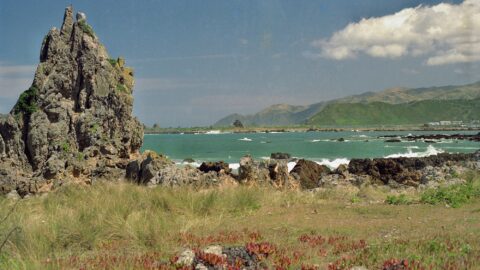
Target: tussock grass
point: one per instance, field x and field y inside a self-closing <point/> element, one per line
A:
<point x="77" y="225"/>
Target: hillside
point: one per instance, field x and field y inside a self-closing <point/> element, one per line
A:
<point x="404" y="95"/>
<point x="381" y="113"/>
<point x="275" y="115"/>
<point x="284" y="114"/>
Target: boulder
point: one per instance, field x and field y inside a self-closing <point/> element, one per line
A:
<point x="250" y="172"/>
<point x="309" y="173"/>
<point x="279" y="176"/>
<point x="218" y="166"/>
<point x="133" y="171"/>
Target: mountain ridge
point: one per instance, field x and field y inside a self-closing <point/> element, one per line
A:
<point x="285" y="114"/>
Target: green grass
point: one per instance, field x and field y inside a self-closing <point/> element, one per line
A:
<point x="454" y="195"/>
<point x="65" y="147"/>
<point x="401" y="199"/>
<point x="122" y="88"/>
<point x="125" y="226"/>
<point x="87" y="29"/>
<point x="27" y="102"/>
<point x="112" y="61"/>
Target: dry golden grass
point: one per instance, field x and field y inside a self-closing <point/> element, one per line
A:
<point x="123" y="226"/>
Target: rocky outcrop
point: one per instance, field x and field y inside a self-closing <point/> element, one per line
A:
<point x="152" y="169"/>
<point x="435" y="137"/>
<point x="76" y="118"/>
<point x="273" y="172"/>
<point x="408" y="170"/>
<point x="309" y="173"/>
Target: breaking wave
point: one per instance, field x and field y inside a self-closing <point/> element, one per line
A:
<point x="334" y="163"/>
<point x="430" y="151"/>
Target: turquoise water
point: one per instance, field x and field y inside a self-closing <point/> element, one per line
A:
<point x="318" y="146"/>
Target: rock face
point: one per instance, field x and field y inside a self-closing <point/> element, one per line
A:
<point x="76" y="118"/>
<point x="309" y="173"/>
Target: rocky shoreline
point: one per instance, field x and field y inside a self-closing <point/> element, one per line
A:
<point x="75" y="125"/>
<point x="432" y="138"/>
<point x="421" y="172"/>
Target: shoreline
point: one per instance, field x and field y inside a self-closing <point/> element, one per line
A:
<point x="298" y="129"/>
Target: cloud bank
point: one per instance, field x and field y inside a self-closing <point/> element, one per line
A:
<point x="444" y="33"/>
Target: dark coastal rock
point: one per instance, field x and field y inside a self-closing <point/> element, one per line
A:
<point x="79" y="104"/>
<point x="393" y="141"/>
<point x="279" y="155"/>
<point x="309" y="173"/>
<point x="437" y="137"/>
<point x="218" y="166"/>
<point x="341" y="140"/>
<point x="407" y="171"/>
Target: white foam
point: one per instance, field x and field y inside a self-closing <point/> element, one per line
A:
<point x="213" y="132"/>
<point x="430" y="151"/>
<point x="333" y="163"/>
<point x="446" y="141"/>
<point x="291" y="165"/>
<point x="320" y="140"/>
<point x="193" y="164"/>
<point x="234" y="166"/>
<point x="245" y="139"/>
<point x="360" y="136"/>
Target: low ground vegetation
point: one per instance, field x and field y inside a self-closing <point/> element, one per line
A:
<point x="124" y="226"/>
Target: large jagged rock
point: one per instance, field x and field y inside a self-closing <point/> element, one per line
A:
<point x="76" y="118"/>
<point x="309" y="173"/>
<point x="271" y="172"/>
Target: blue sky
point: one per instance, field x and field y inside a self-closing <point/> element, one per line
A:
<point x="197" y="61"/>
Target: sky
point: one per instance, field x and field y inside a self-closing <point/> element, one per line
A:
<point x="198" y="61"/>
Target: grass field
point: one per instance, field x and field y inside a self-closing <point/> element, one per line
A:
<point x="123" y="226"/>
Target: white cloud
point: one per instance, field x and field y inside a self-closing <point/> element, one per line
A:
<point x="445" y="33"/>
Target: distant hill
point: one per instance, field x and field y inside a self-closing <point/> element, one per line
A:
<point x="284" y="114"/>
<point x="404" y="95"/>
<point x="381" y="113"/>
<point x="275" y="115"/>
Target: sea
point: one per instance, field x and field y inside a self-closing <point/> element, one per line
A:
<point x="327" y="148"/>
